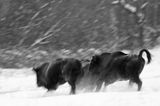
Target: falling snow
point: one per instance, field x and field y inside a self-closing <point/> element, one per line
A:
<point x="18" y="88"/>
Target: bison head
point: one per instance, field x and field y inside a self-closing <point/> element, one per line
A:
<point x="40" y="72"/>
<point x="94" y="64"/>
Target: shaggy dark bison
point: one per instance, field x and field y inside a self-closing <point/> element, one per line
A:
<point x="50" y="75"/>
<point x="123" y="67"/>
<point x="126" y="67"/>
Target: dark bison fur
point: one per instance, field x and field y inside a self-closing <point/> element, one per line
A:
<point x="125" y="67"/>
<point x="52" y="74"/>
<point x="99" y="62"/>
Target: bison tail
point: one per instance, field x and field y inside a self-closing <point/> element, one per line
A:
<point x="148" y="54"/>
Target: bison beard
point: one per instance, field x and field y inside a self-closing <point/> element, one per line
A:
<point x="50" y="75"/>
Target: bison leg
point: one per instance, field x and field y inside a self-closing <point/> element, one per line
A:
<point x="73" y="87"/>
<point x="99" y="85"/>
<point x="138" y="82"/>
<point x="130" y="83"/>
<point x="139" y="85"/>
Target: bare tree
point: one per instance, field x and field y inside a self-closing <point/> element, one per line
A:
<point x="138" y="12"/>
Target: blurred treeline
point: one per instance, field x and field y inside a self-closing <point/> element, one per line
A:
<point x="53" y="25"/>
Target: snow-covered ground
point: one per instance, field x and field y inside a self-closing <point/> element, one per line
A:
<point x="18" y="88"/>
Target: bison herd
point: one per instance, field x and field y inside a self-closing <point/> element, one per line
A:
<point x="102" y="68"/>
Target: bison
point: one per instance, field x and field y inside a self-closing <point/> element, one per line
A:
<point x="52" y="74"/>
<point x="123" y="67"/>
